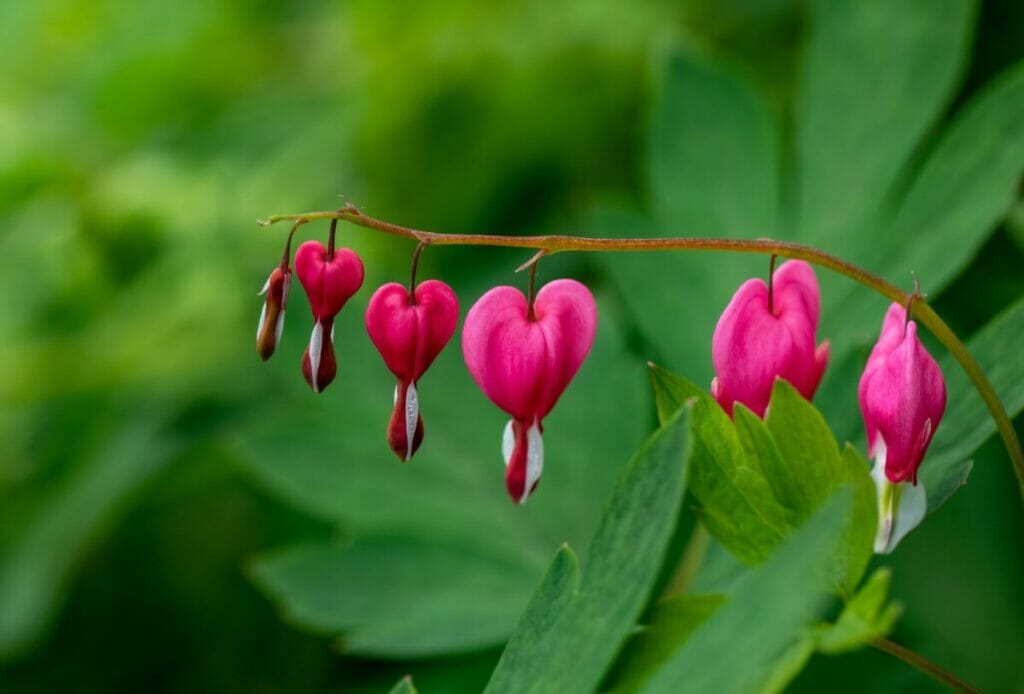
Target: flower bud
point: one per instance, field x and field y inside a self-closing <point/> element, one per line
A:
<point x="329" y="279"/>
<point x="767" y="334"/>
<point x="524" y="362"/>
<point x="902" y="397"/>
<point x="409" y="332"/>
<point x="268" y="333"/>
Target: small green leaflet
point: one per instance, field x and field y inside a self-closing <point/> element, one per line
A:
<point x="579" y="618"/>
<point x="869" y="615"/>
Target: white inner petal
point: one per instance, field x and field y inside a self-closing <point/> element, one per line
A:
<point x="896" y="517"/>
<point x="412" y="414"/>
<point x="266" y="286"/>
<point x="534" y="459"/>
<point x="316" y="343"/>
<point x="263" y="321"/>
<point x="508" y="442"/>
<point x="279" y="328"/>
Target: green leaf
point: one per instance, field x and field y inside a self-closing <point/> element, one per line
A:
<point x="404" y="686"/>
<point x="764" y="616"/>
<point x="672" y="622"/>
<point x="967" y="422"/>
<point x="714" y="151"/>
<point x="869" y="615"/>
<point x="398" y="596"/>
<point x="736" y="501"/>
<point x="875" y="77"/>
<point x="574" y="625"/>
<point x="968" y="183"/>
<point x="756" y="481"/>
<point x="807" y="448"/>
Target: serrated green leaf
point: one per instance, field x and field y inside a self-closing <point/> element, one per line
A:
<point x="398" y="596"/>
<point x="763" y="617"/>
<point x="867" y="616"/>
<point x="736" y="501"/>
<point x="752" y="477"/>
<point x="672" y="622"/>
<point x="875" y="77"/>
<point x="575" y="624"/>
<point x="807" y="446"/>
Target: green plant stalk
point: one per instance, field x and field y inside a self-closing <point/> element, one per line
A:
<point x="553" y="243"/>
<point x="924" y="665"/>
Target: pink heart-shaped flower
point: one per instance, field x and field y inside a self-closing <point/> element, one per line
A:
<point x="523" y="363"/>
<point x="329" y="279"/>
<point x="902" y="397"/>
<point x="753" y="345"/>
<point x="409" y="335"/>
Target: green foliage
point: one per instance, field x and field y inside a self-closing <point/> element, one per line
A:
<point x="967" y="422"/>
<point x="755" y="482"/>
<point x="149" y="460"/>
<point x="578" y="619"/>
<point x="374" y="591"/>
<point x="671" y="622"/>
<point x="867" y="616"/>
<point x="764" y="615"/>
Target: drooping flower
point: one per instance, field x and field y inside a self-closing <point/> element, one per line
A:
<point x="902" y="397"/>
<point x="329" y="279"/>
<point x="763" y="335"/>
<point x="524" y="360"/>
<point x="409" y="332"/>
<point x="268" y="333"/>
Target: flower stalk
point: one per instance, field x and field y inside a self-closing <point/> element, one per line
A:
<point x="553" y="243"/>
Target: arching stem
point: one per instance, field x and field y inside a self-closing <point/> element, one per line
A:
<point x="771" y="282"/>
<point x="554" y="243"/>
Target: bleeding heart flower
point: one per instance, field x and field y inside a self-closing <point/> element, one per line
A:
<point x="409" y="332"/>
<point x="902" y="397"/>
<point x="329" y="279"/>
<point x="757" y="340"/>
<point x="268" y="334"/>
<point x="524" y="362"/>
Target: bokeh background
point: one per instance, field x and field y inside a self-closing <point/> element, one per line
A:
<point x="176" y="516"/>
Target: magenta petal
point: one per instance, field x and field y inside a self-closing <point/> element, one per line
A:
<point x="410" y="337"/>
<point x="753" y="346"/>
<point x="902" y="397"/>
<point x="328" y="283"/>
<point x="524" y="365"/>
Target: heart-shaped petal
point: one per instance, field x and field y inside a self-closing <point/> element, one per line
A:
<point x="329" y="282"/>
<point x="752" y="345"/>
<point x="410" y="335"/>
<point x="523" y="365"/>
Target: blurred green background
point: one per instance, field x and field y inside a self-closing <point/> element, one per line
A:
<point x="176" y="516"/>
